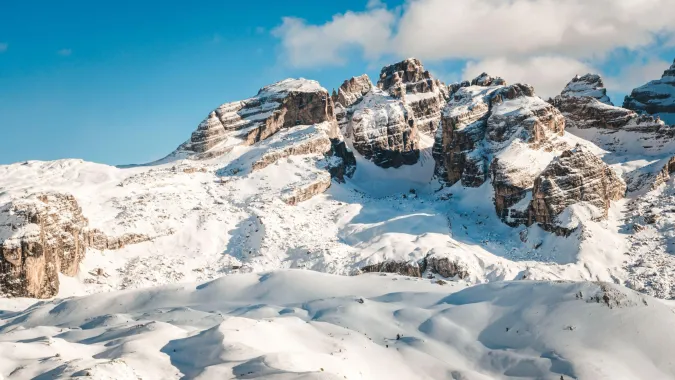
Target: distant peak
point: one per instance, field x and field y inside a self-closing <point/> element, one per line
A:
<point x="486" y="80"/>
<point x="291" y="85"/>
<point x="587" y="85"/>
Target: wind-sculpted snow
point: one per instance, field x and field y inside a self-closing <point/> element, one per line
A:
<point x="307" y="325"/>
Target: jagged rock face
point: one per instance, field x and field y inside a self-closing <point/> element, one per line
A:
<point x="487" y="80"/>
<point x="576" y="176"/>
<point x="281" y="105"/>
<point x="426" y="96"/>
<point x="445" y="267"/>
<point x="323" y="138"/>
<point x="44" y="235"/>
<point x="384" y="121"/>
<point x="432" y="263"/>
<point x="479" y="120"/>
<point x="398" y="267"/>
<point x="587" y="112"/>
<point x="498" y="132"/>
<point x="383" y="130"/>
<point x="409" y="73"/>
<point x="585" y="104"/>
<point x="353" y="90"/>
<point x="292" y="104"/>
<point x="656" y="97"/>
<point x="589" y="85"/>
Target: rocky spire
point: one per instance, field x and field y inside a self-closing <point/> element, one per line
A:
<point x="589" y="85"/>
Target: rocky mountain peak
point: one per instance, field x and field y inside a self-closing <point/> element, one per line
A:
<point x="280" y="105"/>
<point x="656" y="97"/>
<point x="485" y="80"/>
<point x="576" y="176"/>
<point x="585" y="104"/>
<point x="588" y="85"/>
<point x="408" y="71"/>
<point x="352" y="90"/>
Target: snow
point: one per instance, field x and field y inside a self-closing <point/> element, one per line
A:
<point x="264" y="316"/>
<point x="590" y="85"/>
<point x="273" y="325"/>
<point x="279" y="89"/>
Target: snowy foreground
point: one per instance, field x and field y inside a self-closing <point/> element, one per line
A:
<point x="301" y="324"/>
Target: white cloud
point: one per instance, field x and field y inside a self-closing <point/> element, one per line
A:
<point x="548" y="74"/>
<point x="479" y="29"/>
<point x="314" y="45"/>
<point x="540" y="42"/>
<point x="375" y="4"/>
<point x="64" y="52"/>
<point x="635" y="75"/>
<point x="442" y="29"/>
<point x="3" y="47"/>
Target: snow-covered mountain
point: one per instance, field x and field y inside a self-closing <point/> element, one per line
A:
<point x="656" y="97"/>
<point x="479" y="182"/>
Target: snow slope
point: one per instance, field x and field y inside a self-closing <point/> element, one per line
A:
<point x="275" y="326"/>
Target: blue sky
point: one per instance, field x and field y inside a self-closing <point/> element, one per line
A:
<point x="128" y="81"/>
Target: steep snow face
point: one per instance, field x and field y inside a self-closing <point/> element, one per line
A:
<point x="274" y="325"/>
<point x="656" y="97"/>
<point x="589" y="85"/>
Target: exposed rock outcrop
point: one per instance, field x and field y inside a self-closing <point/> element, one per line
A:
<point x="301" y="194"/>
<point x="383" y="130"/>
<point x="656" y="97"/>
<point x="281" y="105"/>
<point x="403" y="268"/>
<point x="426" y="96"/>
<point x="588" y="85"/>
<point x="353" y="90"/>
<point x="384" y="121"/>
<point x="576" y="176"/>
<point x="498" y="132"/>
<point x="616" y="129"/>
<point x="43" y="235"/>
<point x="585" y="104"/>
<point x="445" y="267"/>
<point x="294" y="117"/>
<point x="432" y="263"/>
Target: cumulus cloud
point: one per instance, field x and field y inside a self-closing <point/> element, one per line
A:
<point x="315" y="45"/>
<point x="542" y="42"/>
<point x="548" y="74"/>
<point x="3" y="47"/>
<point x="441" y="29"/>
<point x="64" y="52"/>
<point x="637" y="74"/>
